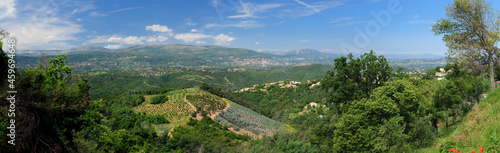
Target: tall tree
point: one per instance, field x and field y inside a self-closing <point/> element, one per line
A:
<point x="353" y="79"/>
<point x="471" y="32"/>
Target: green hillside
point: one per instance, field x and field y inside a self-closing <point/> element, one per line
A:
<point x="106" y="83"/>
<point x="179" y="50"/>
<point x="481" y="127"/>
<point x="240" y="118"/>
<point x="142" y="57"/>
<point x="194" y="102"/>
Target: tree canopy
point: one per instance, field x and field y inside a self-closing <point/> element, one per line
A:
<point x="471" y="32"/>
<point x="353" y="79"/>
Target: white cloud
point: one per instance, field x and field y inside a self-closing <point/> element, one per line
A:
<point x="240" y="24"/>
<point x="53" y="32"/>
<point x="113" y="46"/>
<point x="127" y="40"/>
<point x="307" y="5"/>
<point x="78" y="19"/>
<point x="80" y="6"/>
<point x="131" y="40"/>
<point x="309" y="9"/>
<point x="162" y="38"/>
<point x="43" y="25"/>
<point x="97" y="14"/>
<point x="158" y="28"/>
<point x="7" y="9"/>
<point x="189" y="37"/>
<point x="222" y="39"/>
<point x="416" y="16"/>
<point x="256" y="43"/>
<point x="250" y="10"/>
<point x="151" y="39"/>
<point x="125" y="9"/>
<point x="194" y="30"/>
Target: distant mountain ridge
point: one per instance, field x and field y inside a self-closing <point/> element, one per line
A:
<point x="180" y="50"/>
<point x="310" y="53"/>
<point x="139" y="57"/>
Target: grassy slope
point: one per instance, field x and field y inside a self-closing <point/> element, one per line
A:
<point x="481" y="127"/>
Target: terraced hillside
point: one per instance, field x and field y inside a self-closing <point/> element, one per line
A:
<point x="176" y="110"/>
<point x="194" y="102"/>
<point x="250" y="122"/>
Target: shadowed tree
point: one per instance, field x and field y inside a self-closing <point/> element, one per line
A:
<point x="3" y="59"/>
<point x="471" y="32"/>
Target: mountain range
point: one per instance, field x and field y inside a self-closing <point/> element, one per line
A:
<point x="138" y="57"/>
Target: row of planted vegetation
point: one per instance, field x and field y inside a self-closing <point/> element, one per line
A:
<point x="237" y="117"/>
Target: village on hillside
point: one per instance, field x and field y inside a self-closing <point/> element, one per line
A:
<point x="281" y="84"/>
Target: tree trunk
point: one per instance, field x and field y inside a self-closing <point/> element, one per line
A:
<point x="492" y="75"/>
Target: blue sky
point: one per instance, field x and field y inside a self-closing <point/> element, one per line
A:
<point x="398" y="26"/>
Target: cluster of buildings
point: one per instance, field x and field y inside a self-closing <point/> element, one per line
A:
<point x="281" y="84"/>
<point x="442" y="73"/>
<point x="314" y="105"/>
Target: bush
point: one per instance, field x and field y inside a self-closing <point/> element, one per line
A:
<point x="156" y="119"/>
<point x="158" y="99"/>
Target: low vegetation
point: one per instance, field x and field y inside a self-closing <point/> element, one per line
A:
<point x="478" y="128"/>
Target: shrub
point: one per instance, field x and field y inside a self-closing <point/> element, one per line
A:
<point x="158" y="99"/>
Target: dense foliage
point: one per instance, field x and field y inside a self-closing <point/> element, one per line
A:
<point x="353" y="79"/>
<point x="158" y="99"/>
<point x="237" y="117"/>
<point x="49" y="102"/>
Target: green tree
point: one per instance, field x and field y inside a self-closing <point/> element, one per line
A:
<point x="384" y="122"/>
<point x="353" y="79"/>
<point x="3" y="60"/>
<point x="3" y="66"/>
<point x="158" y="99"/>
<point x="51" y="102"/>
<point x="471" y="32"/>
<point x="445" y="100"/>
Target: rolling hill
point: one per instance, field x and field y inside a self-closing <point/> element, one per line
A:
<point x="194" y="103"/>
<point x="310" y="53"/>
<point x="140" y="57"/>
<point x="106" y="83"/>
